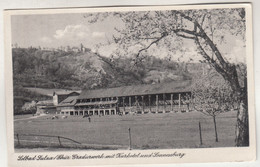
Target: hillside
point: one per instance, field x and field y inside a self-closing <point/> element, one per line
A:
<point x="70" y="70"/>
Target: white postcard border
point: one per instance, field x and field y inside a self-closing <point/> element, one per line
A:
<point x="191" y="155"/>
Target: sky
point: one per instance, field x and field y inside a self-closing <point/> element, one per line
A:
<point x="55" y="30"/>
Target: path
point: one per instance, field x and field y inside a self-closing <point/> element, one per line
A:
<point x="32" y="117"/>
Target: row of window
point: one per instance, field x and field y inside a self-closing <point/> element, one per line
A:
<point x="95" y="112"/>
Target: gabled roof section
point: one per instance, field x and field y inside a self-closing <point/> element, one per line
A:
<point x="171" y="87"/>
<point x="69" y="101"/>
<point x="66" y="92"/>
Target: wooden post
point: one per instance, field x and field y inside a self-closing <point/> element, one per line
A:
<point x="136" y="104"/>
<point x="117" y="106"/>
<point x="149" y="96"/>
<point x="124" y="103"/>
<point x="171" y="102"/>
<point x="164" y="102"/>
<point x="179" y="102"/>
<point x="157" y="103"/>
<point x="59" y="140"/>
<point x="142" y="104"/>
<point x="130" y="141"/>
<point x="200" y="134"/>
<point x="17" y="135"/>
<point x="130" y="103"/>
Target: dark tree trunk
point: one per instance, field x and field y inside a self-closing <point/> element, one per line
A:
<point x="242" y="128"/>
<point x="215" y="126"/>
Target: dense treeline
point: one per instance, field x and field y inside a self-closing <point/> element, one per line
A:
<point x="33" y="67"/>
<point x="57" y="69"/>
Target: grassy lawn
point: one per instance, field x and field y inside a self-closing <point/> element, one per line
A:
<point x="22" y="116"/>
<point x="149" y="131"/>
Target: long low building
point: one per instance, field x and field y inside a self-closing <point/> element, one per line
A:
<point x="139" y="99"/>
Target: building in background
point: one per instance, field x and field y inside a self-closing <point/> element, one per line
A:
<point x="137" y="99"/>
<point x="45" y="107"/>
<point x="51" y="106"/>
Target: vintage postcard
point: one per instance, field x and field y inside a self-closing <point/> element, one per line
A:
<point x="130" y="85"/>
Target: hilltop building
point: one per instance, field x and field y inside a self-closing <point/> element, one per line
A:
<point x="75" y="49"/>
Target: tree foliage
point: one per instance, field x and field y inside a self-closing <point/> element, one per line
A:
<point x="207" y="28"/>
<point x="48" y="69"/>
<point x="212" y="95"/>
<point x="29" y="107"/>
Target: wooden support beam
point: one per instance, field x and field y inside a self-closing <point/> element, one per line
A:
<point x="157" y="103"/>
<point x="123" y="103"/>
<point x="164" y="102"/>
<point x="136" y="104"/>
<point x="149" y="98"/>
<point x="171" y="102"/>
<point x="117" y="107"/>
<point x="142" y="104"/>
<point x="179" y="102"/>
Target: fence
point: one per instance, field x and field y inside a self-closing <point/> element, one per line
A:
<point x="37" y="141"/>
<point x="24" y="139"/>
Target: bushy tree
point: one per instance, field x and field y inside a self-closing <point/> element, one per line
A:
<point x="29" y="107"/>
<point x="212" y="95"/>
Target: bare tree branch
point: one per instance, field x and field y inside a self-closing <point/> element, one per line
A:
<point x="157" y="40"/>
<point x="207" y="39"/>
<point x="184" y="36"/>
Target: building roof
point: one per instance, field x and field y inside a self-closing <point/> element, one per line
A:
<point x="171" y="87"/>
<point x="65" y="92"/>
<point x="69" y="101"/>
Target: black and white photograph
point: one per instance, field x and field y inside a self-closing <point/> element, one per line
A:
<point x="131" y="79"/>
